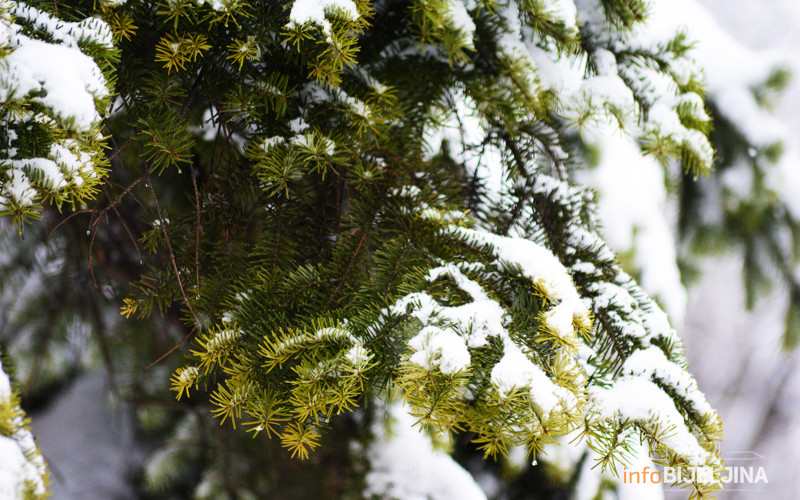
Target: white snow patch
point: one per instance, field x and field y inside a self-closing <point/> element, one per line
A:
<point x="404" y="464"/>
<point x="651" y="362"/>
<point x="636" y="398"/>
<point x="440" y="348"/>
<point x="19" y="456"/>
<point x="68" y="80"/>
<point x="461" y="19"/>
<point x="537" y="263"/>
<point x="516" y="371"/>
<point x="475" y="321"/>
<point x="304" y="11"/>
<point x="632" y="206"/>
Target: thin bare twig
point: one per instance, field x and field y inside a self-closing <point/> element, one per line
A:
<point x="124" y="224"/>
<point x="197" y="230"/>
<point x="149" y="184"/>
<point x="67" y="218"/>
<point x="120" y="149"/>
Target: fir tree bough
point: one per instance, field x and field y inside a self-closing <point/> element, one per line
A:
<point x="54" y="87"/>
<point x="337" y="204"/>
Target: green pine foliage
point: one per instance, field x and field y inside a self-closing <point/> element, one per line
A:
<point x="299" y="230"/>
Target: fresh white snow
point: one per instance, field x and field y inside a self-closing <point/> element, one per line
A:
<point x="404" y="464"/>
<point x="20" y="458"/>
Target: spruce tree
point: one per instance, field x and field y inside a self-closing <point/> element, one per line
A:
<point x="348" y="236"/>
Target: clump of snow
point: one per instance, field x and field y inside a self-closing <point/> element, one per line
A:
<point x="638" y="399"/>
<point x="564" y="11"/>
<point x="440" y="348"/>
<point x="632" y="204"/>
<point x="22" y="464"/>
<point x="62" y="78"/>
<point x="536" y="262"/>
<point x="357" y="354"/>
<point x="404" y="464"/>
<point x="516" y="371"/>
<point x="461" y="20"/>
<point x="69" y="34"/>
<point x="18" y="188"/>
<point x="559" y="320"/>
<point x="304" y="11"/>
<point x="67" y="84"/>
<point x="298" y="125"/>
<point x="13" y="469"/>
<point x="53" y="177"/>
<point x="652" y="363"/>
<point x="475" y="321"/>
<point x="218" y="5"/>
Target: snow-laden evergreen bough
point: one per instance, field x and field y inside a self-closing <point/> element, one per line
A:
<point x="481" y="327"/>
<point x="53" y="91"/>
<point x="24" y="474"/>
<point x="374" y="216"/>
<point x="749" y="200"/>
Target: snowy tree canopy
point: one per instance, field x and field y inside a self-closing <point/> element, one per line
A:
<point x="348" y="215"/>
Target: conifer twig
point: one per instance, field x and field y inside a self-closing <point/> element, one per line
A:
<point x="197" y="230"/>
<point x="149" y="185"/>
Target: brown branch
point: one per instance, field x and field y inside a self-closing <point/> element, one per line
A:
<point x="197" y="230"/>
<point x="149" y="184"/>
<point x="120" y="149"/>
<point x="515" y="152"/>
<point x="67" y="218"/>
<point x="173" y="349"/>
<point x="346" y="271"/>
<point x="104" y="213"/>
<point x="124" y="224"/>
